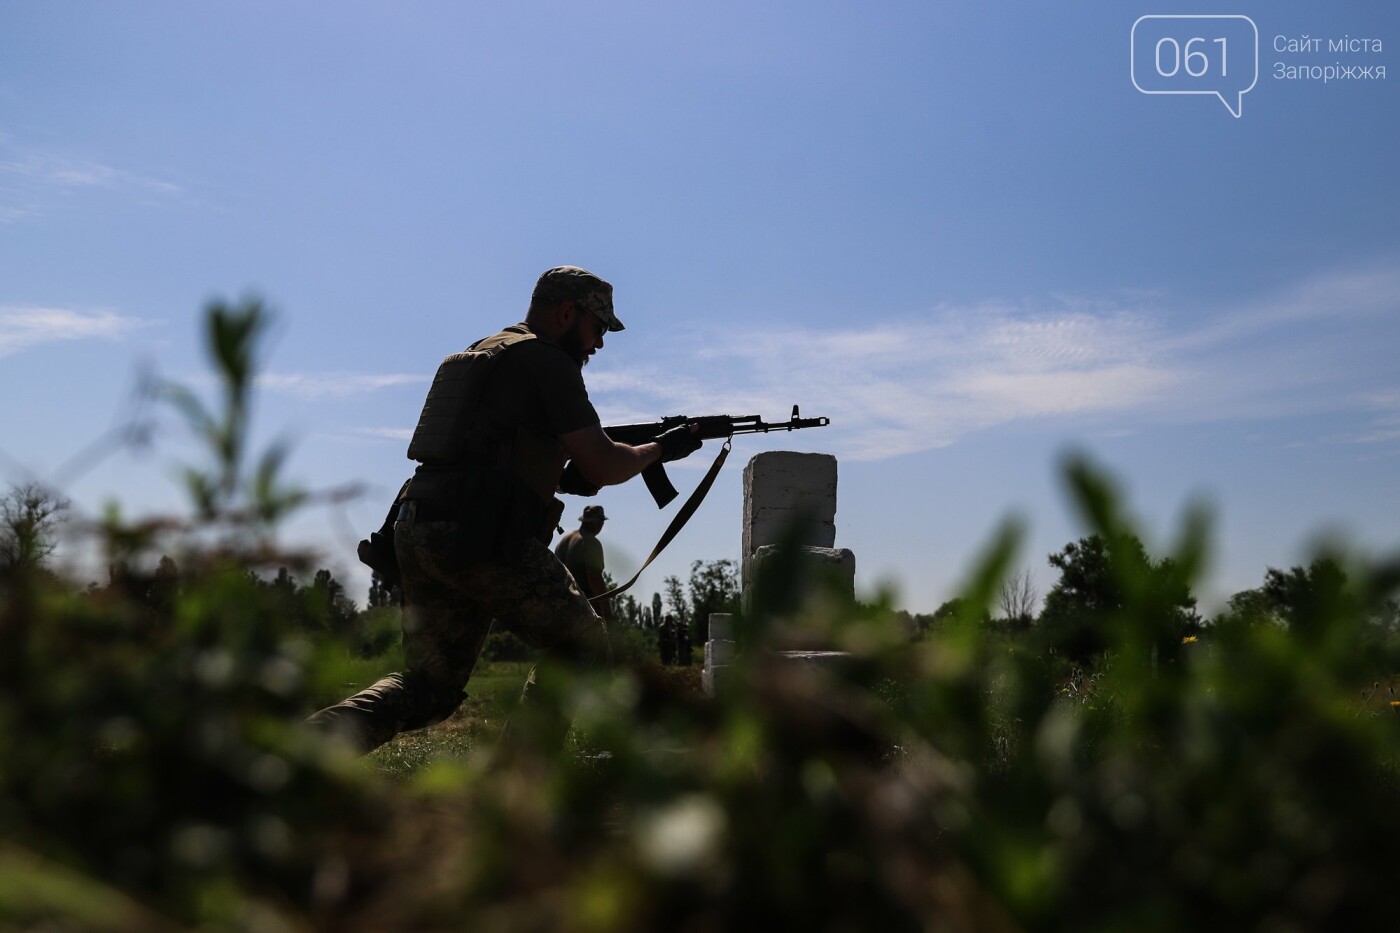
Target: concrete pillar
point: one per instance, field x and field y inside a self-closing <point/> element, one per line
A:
<point x="719" y="651"/>
<point x="819" y="569"/>
<point x="789" y="498"/>
<point x="787" y="492"/>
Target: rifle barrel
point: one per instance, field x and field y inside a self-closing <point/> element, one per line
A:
<point x="796" y="424"/>
<point x="710" y="426"/>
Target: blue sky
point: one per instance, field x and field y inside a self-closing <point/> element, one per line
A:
<point x="956" y="229"/>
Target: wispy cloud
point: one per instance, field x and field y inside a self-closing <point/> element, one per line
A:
<point x="392" y="434"/>
<point x="962" y="371"/>
<point x="32" y="179"/>
<point x="1333" y="296"/>
<point x="905" y="386"/>
<point x="1384" y="406"/>
<point x="369" y="437"/>
<point x="335" y="385"/>
<point x="25" y="327"/>
<point x="901" y="387"/>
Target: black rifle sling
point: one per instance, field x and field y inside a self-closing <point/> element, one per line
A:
<point x="677" y="523"/>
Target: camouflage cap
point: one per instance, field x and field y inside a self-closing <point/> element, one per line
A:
<point x="593" y="513"/>
<point x="586" y="289"/>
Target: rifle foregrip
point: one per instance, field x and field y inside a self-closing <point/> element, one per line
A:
<point x="659" y="484"/>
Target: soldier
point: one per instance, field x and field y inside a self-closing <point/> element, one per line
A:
<point x="582" y="552"/>
<point x="667" y="639"/>
<point x="683" y="644"/>
<point x="472" y="533"/>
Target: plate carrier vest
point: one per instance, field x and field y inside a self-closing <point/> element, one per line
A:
<point x="471" y="466"/>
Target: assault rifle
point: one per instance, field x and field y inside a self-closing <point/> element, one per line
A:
<point x="708" y="427"/>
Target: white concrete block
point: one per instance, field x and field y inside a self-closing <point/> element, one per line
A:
<point x="824" y="568"/>
<point x="718" y="652"/>
<point x="785" y="491"/>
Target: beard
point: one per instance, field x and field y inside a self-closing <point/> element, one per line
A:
<point x="574" y="344"/>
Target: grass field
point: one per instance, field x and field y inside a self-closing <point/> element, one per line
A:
<point x="474" y="729"/>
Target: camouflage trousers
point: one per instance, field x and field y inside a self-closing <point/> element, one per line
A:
<point x="450" y="602"/>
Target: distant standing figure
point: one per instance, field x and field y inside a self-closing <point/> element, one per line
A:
<point x="668" y="641"/>
<point x="582" y="552"/>
<point x="683" y="645"/>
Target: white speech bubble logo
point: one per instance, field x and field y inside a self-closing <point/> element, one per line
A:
<point x="1184" y="54"/>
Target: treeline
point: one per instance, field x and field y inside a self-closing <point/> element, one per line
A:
<point x="1089" y="594"/>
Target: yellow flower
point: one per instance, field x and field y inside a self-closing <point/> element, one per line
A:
<point x="1188" y="640"/>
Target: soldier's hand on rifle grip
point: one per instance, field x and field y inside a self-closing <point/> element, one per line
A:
<point x="679" y="442"/>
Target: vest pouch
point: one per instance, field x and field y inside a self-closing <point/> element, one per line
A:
<point x="473" y="500"/>
<point x="495" y="513"/>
